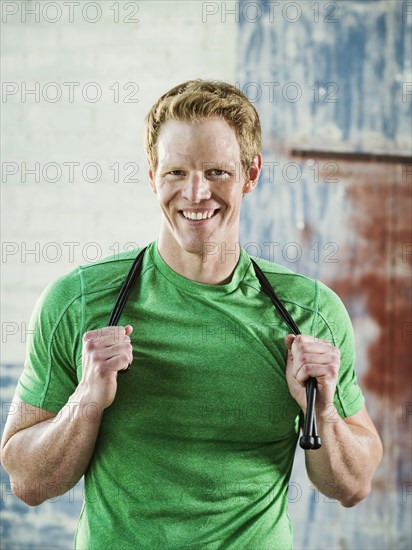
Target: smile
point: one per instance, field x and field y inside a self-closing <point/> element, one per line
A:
<point x="196" y="216"/>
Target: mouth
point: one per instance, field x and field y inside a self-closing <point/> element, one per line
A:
<point x="198" y="217"/>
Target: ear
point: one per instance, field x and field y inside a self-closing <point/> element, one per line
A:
<point x="152" y="179"/>
<point x="253" y="174"/>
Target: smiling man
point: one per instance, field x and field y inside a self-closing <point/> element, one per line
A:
<point x="193" y="445"/>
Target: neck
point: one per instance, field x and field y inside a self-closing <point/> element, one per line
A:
<point x="213" y="266"/>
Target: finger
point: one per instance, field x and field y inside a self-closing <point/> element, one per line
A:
<point x="106" y="336"/>
<point x="98" y="353"/>
<point x="120" y="334"/>
<point x="320" y="372"/>
<point x="120" y="362"/>
<point x="108" y="352"/>
<point x="289" y="339"/>
<point x="299" y="347"/>
<point x="289" y="362"/>
<point x="328" y="342"/>
<point x="310" y="339"/>
<point x="307" y="358"/>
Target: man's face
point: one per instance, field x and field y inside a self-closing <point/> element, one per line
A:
<point x="199" y="175"/>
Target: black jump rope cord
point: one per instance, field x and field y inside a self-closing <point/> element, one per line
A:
<point x="310" y="438"/>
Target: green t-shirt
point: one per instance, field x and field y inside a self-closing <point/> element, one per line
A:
<point x="197" y="448"/>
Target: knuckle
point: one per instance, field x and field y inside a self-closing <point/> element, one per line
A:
<point x="335" y="358"/>
<point x="306" y="368"/>
<point x="92" y="335"/>
<point x="114" y="332"/>
<point x="89" y="345"/>
<point x="336" y="367"/>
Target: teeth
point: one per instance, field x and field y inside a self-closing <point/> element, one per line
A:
<point x="197" y="215"/>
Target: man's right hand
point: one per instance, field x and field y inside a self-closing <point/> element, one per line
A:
<point x="106" y="351"/>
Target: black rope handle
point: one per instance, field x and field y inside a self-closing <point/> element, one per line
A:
<point x="310" y="438"/>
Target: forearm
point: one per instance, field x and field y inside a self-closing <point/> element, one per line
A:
<point x="48" y="458"/>
<point x="344" y="466"/>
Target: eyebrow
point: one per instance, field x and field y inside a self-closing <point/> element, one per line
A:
<point x="207" y="165"/>
<point x="221" y="165"/>
<point x="204" y="164"/>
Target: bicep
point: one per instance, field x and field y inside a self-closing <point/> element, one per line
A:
<point x="21" y="416"/>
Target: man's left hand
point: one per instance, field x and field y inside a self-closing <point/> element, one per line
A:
<point x="311" y="357"/>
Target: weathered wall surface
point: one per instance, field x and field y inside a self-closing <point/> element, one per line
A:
<point x="332" y="83"/>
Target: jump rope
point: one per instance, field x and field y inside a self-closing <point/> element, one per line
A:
<point x="310" y="438"/>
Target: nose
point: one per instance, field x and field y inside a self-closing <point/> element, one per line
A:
<point x="197" y="188"/>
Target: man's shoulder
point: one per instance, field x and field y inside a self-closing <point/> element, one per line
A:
<point x="284" y="279"/>
<point x="273" y="268"/>
<point x="109" y="272"/>
<point x="299" y="289"/>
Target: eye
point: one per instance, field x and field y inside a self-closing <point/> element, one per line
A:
<point x="217" y="172"/>
<point x="175" y="173"/>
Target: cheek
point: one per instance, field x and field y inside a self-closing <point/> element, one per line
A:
<point x="234" y="199"/>
<point x="166" y="192"/>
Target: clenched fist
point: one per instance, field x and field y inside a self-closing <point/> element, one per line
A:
<point x="311" y="357"/>
<point x="106" y="351"/>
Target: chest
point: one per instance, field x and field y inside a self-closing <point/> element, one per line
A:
<point x="205" y="371"/>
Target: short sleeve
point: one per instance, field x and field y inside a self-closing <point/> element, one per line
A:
<point x="334" y="324"/>
<point x="53" y="346"/>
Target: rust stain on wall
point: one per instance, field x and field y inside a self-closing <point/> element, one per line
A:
<point x="377" y="268"/>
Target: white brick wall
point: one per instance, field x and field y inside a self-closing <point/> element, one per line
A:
<point x="168" y="45"/>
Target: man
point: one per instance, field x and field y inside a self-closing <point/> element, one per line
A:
<point x="193" y="446"/>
